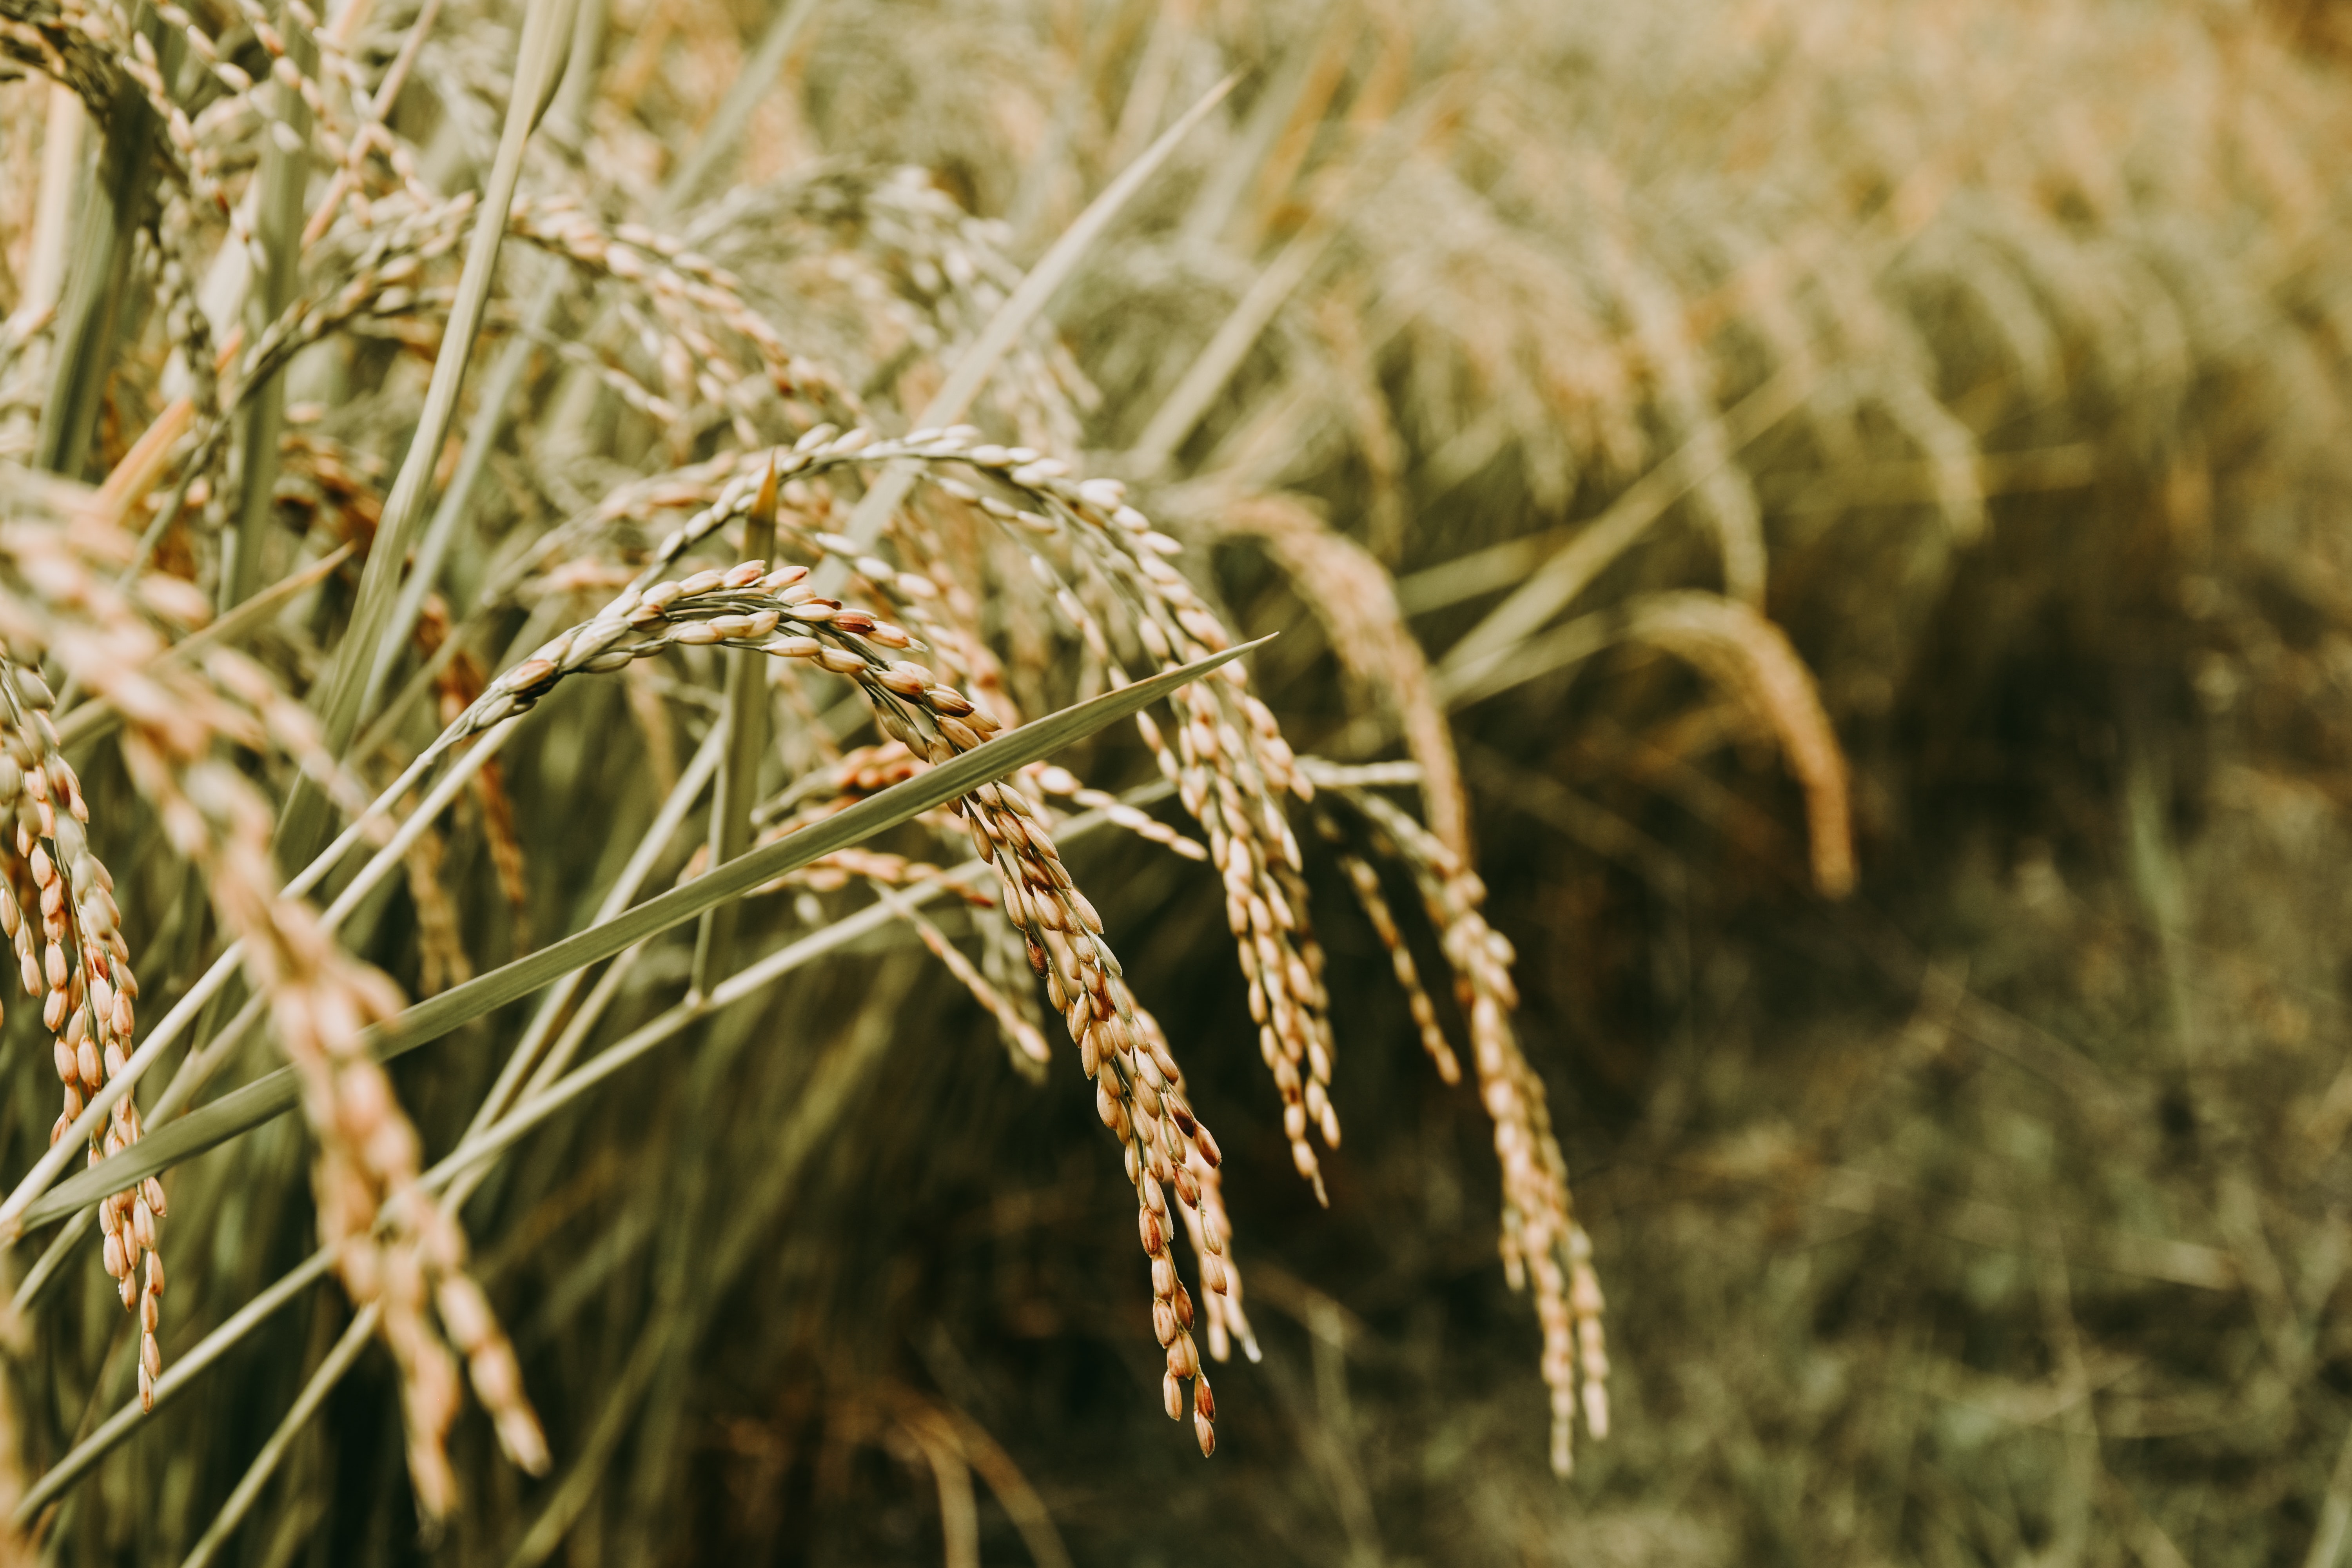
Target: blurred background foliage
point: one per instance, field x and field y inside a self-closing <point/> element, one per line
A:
<point x="1995" y="1212"/>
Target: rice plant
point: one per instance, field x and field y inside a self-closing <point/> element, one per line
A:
<point x="611" y="600"/>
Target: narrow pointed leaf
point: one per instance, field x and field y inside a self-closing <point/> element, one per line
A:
<point x="265" y="1098"/>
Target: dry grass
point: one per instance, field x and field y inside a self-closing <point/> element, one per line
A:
<point x="602" y="523"/>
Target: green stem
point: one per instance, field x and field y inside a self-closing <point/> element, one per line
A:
<point x="99" y="278"/>
<point x="747" y="745"/>
<point x="278" y="226"/>
<point x="545" y="38"/>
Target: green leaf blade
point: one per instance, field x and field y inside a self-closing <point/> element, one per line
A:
<point x="256" y="1102"/>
